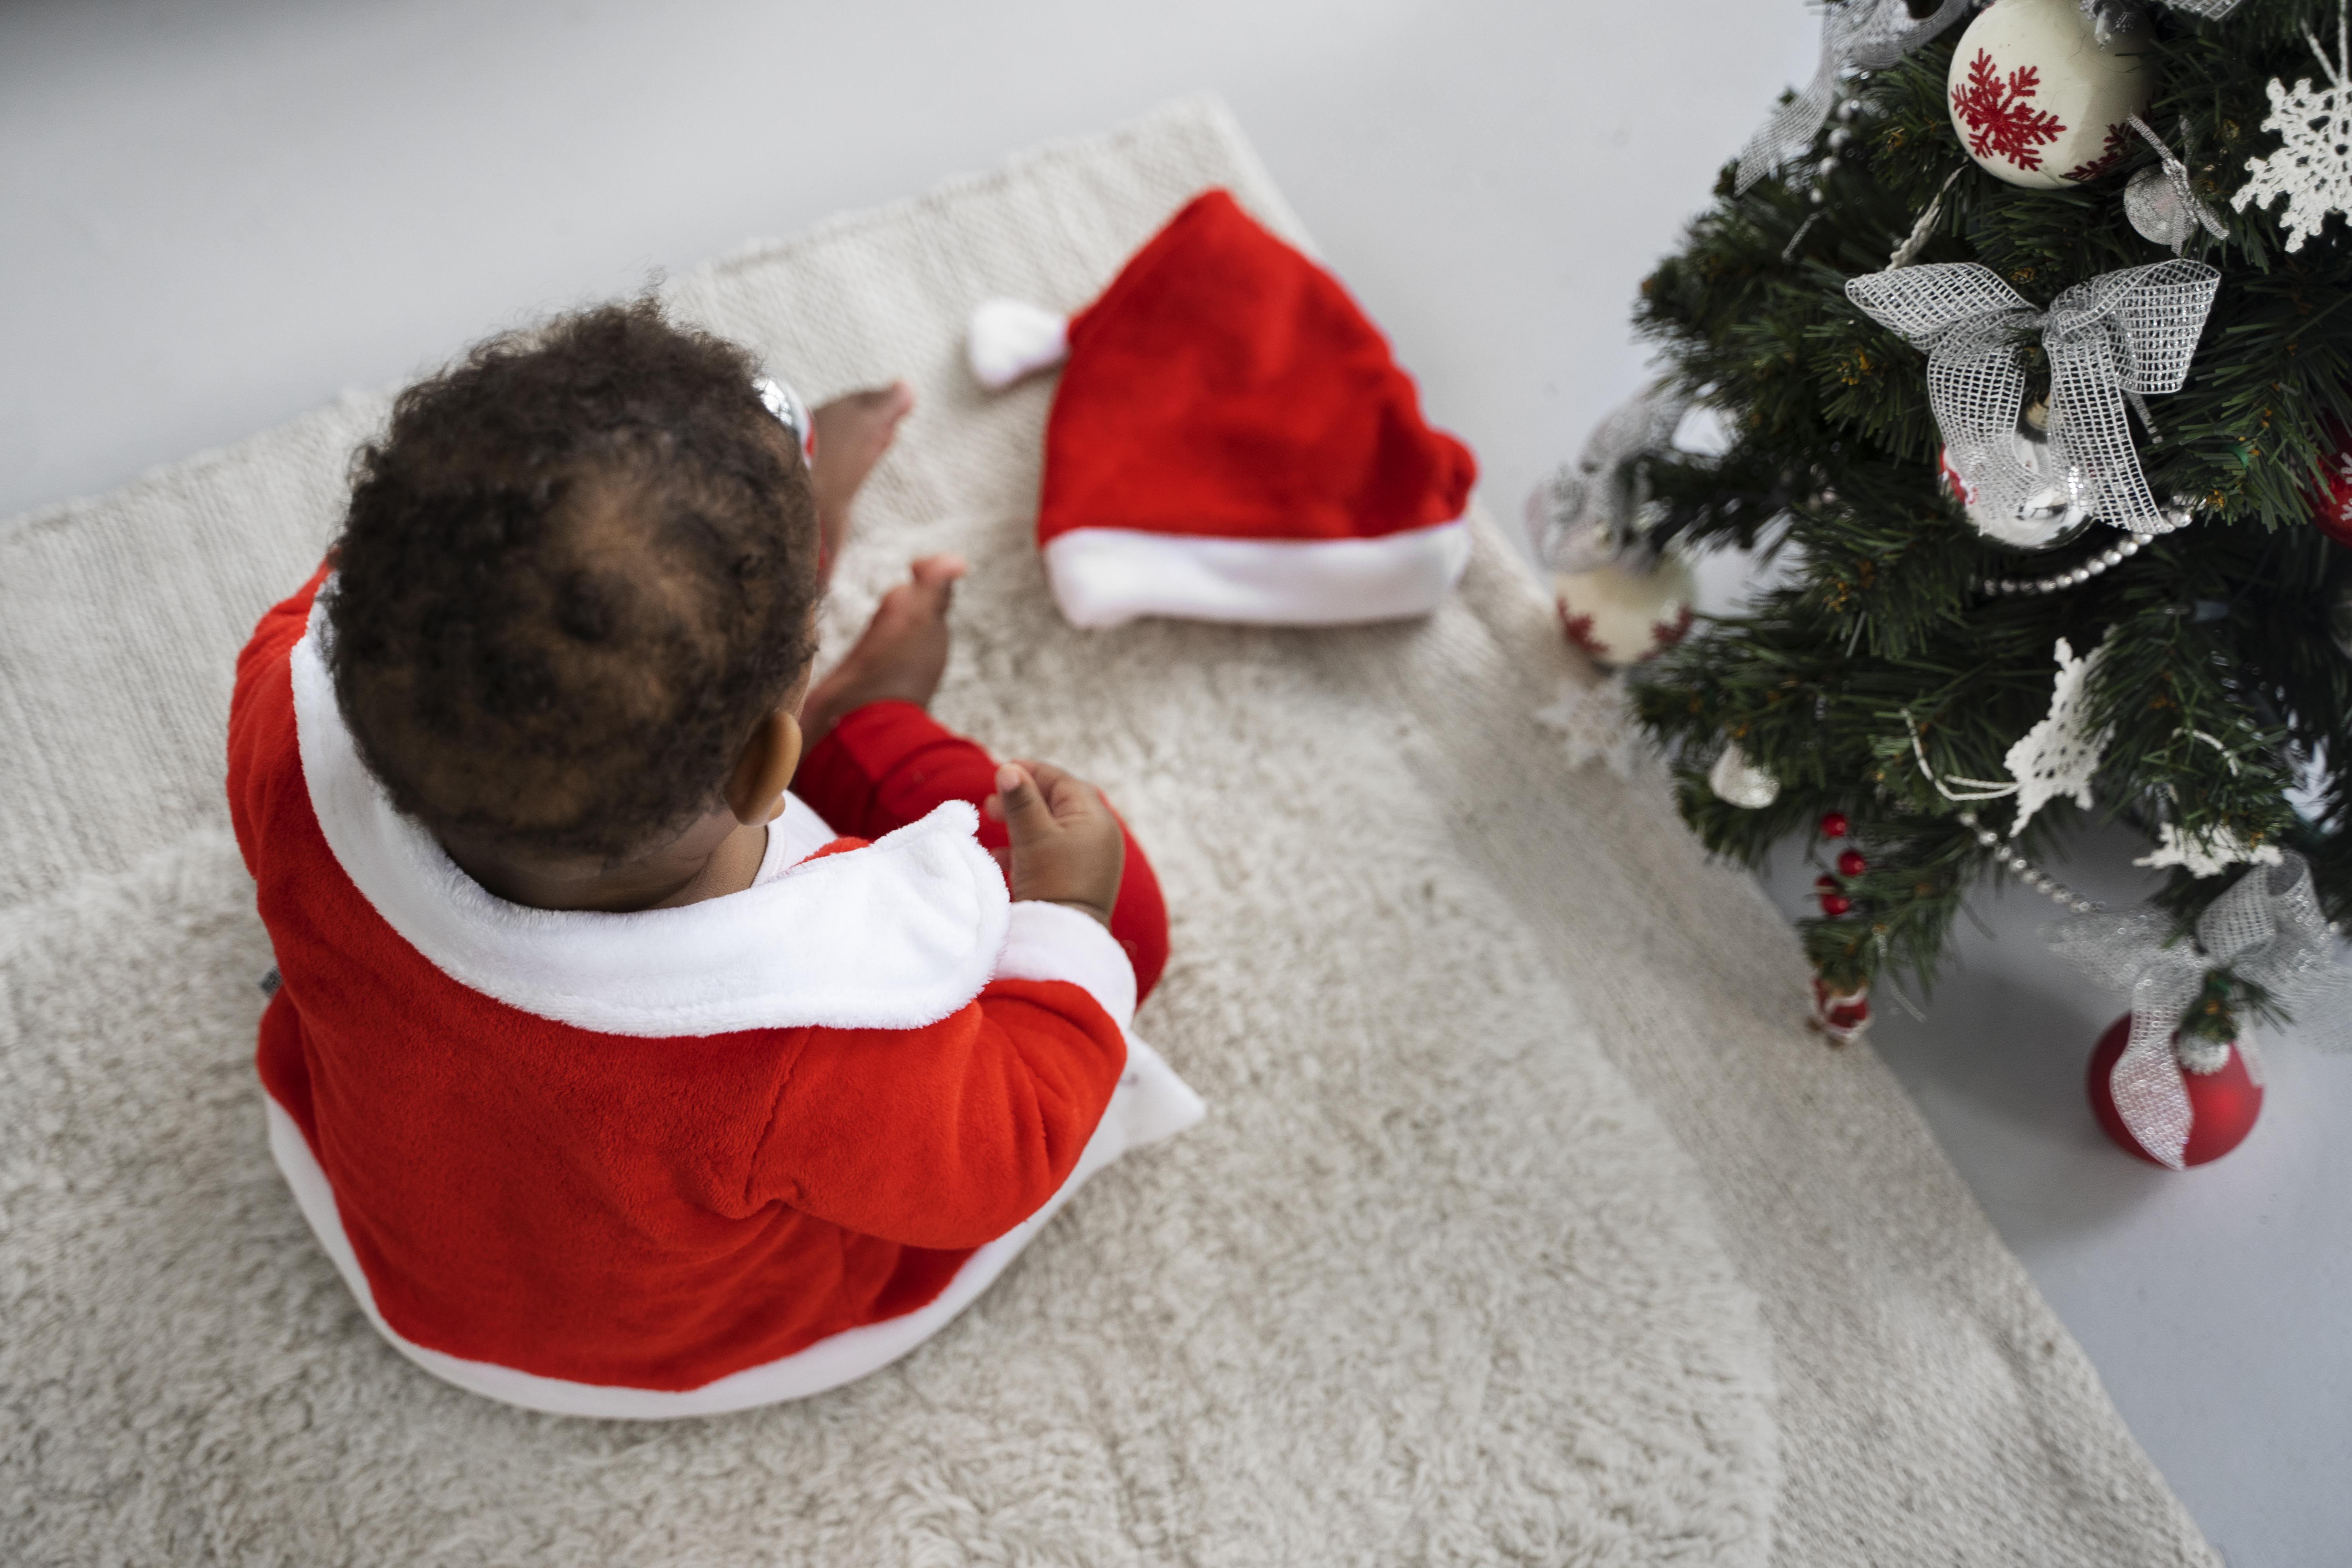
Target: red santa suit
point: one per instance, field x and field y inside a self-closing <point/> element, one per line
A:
<point x="683" y="1160"/>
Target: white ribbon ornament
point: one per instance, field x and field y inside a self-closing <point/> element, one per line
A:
<point x="2267" y="929"/>
<point x="1860" y="35"/>
<point x="2121" y="335"/>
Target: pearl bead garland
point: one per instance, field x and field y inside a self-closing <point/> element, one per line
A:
<point x="2027" y="872"/>
<point x="2177" y="517"/>
<point x="2114" y="555"/>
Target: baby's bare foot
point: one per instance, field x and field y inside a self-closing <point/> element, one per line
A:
<point x="852" y="433"/>
<point x="899" y="656"/>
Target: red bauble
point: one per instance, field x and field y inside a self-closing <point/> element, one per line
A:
<point x="1841" y="1016"/>
<point x="2331" y="506"/>
<point x="1825" y="883"/>
<point x="2222" y="1105"/>
<point x="1835" y="904"/>
<point x="1852" y="864"/>
<point x="1833" y="824"/>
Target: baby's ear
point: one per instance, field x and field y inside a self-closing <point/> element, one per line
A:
<point x="763" y="770"/>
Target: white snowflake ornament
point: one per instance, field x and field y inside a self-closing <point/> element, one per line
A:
<point x="2210" y="855"/>
<point x="1596" y="722"/>
<point x="2313" y="167"/>
<point x="2059" y="756"/>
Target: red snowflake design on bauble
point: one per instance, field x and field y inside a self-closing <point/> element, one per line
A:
<point x="2002" y="124"/>
<point x="2118" y="144"/>
<point x="1579" y="632"/>
<point x="1665" y="634"/>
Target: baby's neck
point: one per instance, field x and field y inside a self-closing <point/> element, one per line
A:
<point x="707" y="861"/>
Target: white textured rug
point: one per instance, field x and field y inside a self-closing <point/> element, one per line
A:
<point x="1529" y="1224"/>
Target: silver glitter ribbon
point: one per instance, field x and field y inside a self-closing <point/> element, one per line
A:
<point x="2122" y="334"/>
<point x="1858" y="35"/>
<point x="2112" y="16"/>
<point x="2160" y="203"/>
<point x="1585" y="514"/>
<point x="2267" y="929"/>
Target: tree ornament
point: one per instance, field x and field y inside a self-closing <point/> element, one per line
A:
<point x="2044" y="519"/>
<point x="2114" y="555"/>
<point x="1850" y="863"/>
<point x="2223" y="1100"/>
<point x="1588" y="514"/>
<point x="2040" y="100"/>
<point x="2331" y="510"/>
<point x="2313" y="166"/>
<point x="1622" y="613"/>
<point x="1840" y="1016"/>
<point x="2120" y="335"/>
<point x="2208" y="854"/>
<point x="1857" y="35"/>
<point x="1833" y="824"/>
<point x="1833" y="899"/>
<point x="1621" y="598"/>
<point x="2212" y="10"/>
<point x="2107" y="16"/>
<point x="2161" y="203"/>
<point x="2263" y="945"/>
<point x="1739" y="782"/>
<point x="2026" y="871"/>
<point x="2060" y="753"/>
<point x="1595" y="720"/>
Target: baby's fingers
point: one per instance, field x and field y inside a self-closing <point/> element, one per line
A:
<point x="1066" y="795"/>
<point x="1019" y="805"/>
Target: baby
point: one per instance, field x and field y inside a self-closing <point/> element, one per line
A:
<point x="617" y="1077"/>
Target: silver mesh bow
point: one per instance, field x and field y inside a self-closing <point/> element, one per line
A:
<point x="2123" y="333"/>
<point x="1584" y="515"/>
<point x="2267" y="929"/>
<point x="1864" y="35"/>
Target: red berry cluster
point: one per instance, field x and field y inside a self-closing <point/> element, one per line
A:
<point x="1850" y="865"/>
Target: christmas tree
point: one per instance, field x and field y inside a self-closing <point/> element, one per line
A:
<point x="2052" y="591"/>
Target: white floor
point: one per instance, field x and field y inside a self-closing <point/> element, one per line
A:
<point x="214" y="216"/>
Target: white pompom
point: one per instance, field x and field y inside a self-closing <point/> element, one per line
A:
<point x="1009" y="339"/>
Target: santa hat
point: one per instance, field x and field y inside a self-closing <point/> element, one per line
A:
<point x="1231" y="441"/>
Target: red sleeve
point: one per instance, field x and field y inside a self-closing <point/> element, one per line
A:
<point x="259" y="759"/>
<point x="947" y="1136"/>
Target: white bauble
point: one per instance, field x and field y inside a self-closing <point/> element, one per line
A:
<point x="2038" y="100"/>
<point x="1622" y="617"/>
<point x="1739" y="782"/>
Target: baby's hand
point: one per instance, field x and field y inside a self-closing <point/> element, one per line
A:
<point x="1066" y="845"/>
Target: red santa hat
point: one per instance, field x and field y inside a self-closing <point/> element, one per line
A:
<point x="1231" y="441"/>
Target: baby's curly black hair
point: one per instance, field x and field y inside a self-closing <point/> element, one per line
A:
<point x="576" y="573"/>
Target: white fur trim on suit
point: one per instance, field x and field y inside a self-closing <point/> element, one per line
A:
<point x="1109" y="576"/>
<point x="894" y="936"/>
<point x="1049" y="941"/>
<point x="1008" y="339"/>
<point x="1149" y="1103"/>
